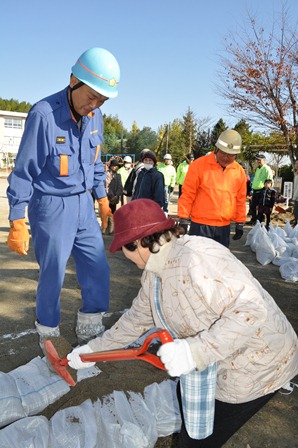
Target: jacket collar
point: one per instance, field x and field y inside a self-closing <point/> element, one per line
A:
<point x="156" y="262"/>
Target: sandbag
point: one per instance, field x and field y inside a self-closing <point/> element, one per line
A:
<point x="289" y="271"/>
<point x="74" y="427"/>
<point x="38" y="386"/>
<point x="162" y="401"/>
<point x="265" y="251"/>
<point x="11" y="408"/>
<point x="30" y="432"/>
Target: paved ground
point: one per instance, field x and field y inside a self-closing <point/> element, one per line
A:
<point x="274" y="427"/>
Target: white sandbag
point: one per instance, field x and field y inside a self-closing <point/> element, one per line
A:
<point x="74" y="427"/>
<point x="108" y="428"/>
<point x="30" y="432"/>
<point x="251" y="234"/>
<point x="11" y="408"/>
<point x="295" y="232"/>
<point x="117" y="432"/>
<point x="280" y="232"/>
<point x="144" y="417"/>
<point x="38" y="386"/>
<point x="295" y="251"/>
<point x="162" y="401"/>
<point x="288" y="228"/>
<point x="281" y="246"/>
<point x="265" y="251"/>
<point x="278" y="261"/>
<point x="289" y="271"/>
<point x="128" y="420"/>
<point x="258" y="235"/>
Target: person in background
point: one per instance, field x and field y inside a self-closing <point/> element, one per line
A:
<point x="295" y="192"/>
<point x="220" y="317"/>
<point x="57" y="166"/>
<point x="114" y="192"/>
<point x="169" y="173"/>
<point x="124" y="172"/>
<point x="150" y="182"/>
<point x="248" y="182"/>
<point x="130" y="184"/>
<point x="214" y="192"/>
<point x="267" y="201"/>
<point x="262" y="173"/>
<point x="182" y="171"/>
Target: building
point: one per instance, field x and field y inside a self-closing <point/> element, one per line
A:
<point x="11" y="130"/>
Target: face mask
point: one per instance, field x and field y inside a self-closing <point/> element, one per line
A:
<point x="148" y="166"/>
<point x="127" y="165"/>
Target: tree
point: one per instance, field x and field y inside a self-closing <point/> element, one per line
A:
<point x="171" y="140"/>
<point x="137" y="141"/>
<point x="259" y="77"/>
<point x="14" y="105"/>
<point x="218" y="128"/>
<point x="111" y="141"/>
<point x="189" y="129"/>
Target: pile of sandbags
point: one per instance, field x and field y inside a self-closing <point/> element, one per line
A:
<point x="278" y="246"/>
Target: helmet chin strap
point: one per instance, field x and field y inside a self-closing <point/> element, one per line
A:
<point x="70" y="102"/>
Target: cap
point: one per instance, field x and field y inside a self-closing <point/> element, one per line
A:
<point x="137" y="219"/>
<point x="114" y="162"/>
<point x="127" y="159"/>
<point x="260" y="156"/>
<point x="149" y="155"/>
<point x="190" y="156"/>
<point x="167" y="156"/>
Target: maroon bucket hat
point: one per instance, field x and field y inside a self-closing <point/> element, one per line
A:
<point x="137" y="219"/>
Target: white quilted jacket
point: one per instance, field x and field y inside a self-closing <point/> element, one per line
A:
<point x="210" y="298"/>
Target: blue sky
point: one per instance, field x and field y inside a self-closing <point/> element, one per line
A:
<point x="167" y="51"/>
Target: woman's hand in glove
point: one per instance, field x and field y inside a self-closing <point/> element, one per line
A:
<point x="177" y="357"/>
<point x="74" y="359"/>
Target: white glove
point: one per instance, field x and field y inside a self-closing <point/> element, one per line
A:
<point x="177" y="357"/>
<point x="74" y="359"/>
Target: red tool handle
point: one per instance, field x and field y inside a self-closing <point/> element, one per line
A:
<point x="133" y="353"/>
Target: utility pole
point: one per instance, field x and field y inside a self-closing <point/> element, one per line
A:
<point x="167" y="138"/>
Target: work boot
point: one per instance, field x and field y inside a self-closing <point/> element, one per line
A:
<point x="89" y="326"/>
<point x="45" y="333"/>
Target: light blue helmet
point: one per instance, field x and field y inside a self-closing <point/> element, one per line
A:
<point x="99" y="69"/>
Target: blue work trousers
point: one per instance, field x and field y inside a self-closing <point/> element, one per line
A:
<point x="60" y="227"/>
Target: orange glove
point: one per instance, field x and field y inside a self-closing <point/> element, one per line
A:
<point x="104" y="211"/>
<point x="18" y="237"/>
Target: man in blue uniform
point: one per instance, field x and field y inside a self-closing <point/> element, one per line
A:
<point x="57" y="167"/>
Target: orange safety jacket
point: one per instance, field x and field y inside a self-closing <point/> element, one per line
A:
<point x="212" y="195"/>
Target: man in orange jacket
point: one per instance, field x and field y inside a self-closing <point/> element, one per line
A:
<point x="214" y="192"/>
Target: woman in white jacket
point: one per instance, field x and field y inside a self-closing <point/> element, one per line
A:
<point x="218" y="313"/>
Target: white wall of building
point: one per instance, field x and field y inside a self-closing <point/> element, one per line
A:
<point x="11" y="130"/>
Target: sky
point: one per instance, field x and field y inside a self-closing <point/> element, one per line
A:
<point x="168" y="51"/>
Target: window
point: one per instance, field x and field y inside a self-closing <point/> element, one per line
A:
<point x="14" y="123"/>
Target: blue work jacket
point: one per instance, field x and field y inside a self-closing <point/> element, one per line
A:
<point x="56" y="156"/>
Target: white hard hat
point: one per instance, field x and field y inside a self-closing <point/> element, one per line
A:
<point x="167" y="156"/>
<point x="127" y="159"/>
<point x="229" y="141"/>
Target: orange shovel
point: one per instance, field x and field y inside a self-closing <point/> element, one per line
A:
<point x="60" y="365"/>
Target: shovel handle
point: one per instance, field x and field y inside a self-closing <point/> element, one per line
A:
<point x="133" y="353"/>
